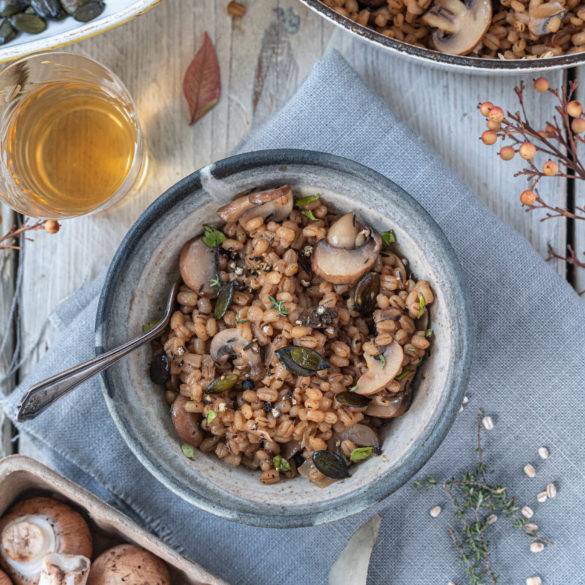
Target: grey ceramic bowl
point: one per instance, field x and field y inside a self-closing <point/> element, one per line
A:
<point x="141" y="275"/>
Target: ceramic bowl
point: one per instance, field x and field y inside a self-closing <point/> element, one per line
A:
<point x="141" y="275"/>
<point x="67" y="31"/>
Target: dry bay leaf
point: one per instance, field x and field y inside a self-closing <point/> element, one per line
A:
<point x="202" y="82"/>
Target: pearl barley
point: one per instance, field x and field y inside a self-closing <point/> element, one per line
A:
<point x="487" y="422"/>
<point x="534" y="580"/>
<point x="529" y="470"/>
<point x="435" y="511"/>
<point x="536" y="547"/>
<point x="551" y="490"/>
<point x="527" y="512"/>
<point x="543" y="453"/>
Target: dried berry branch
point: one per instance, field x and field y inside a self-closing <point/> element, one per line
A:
<point x="10" y="240"/>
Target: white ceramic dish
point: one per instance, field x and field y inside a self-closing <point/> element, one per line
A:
<point x="65" y="32"/>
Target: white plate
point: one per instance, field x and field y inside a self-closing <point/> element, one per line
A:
<point x="64" y="32"/>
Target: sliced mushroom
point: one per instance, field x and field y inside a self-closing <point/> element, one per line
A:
<point x="277" y="203"/>
<point x="459" y="25"/>
<point x="346" y="265"/>
<point x="541" y="16"/>
<point x="35" y="528"/>
<point x="186" y="423"/>
<point x="4" y="578"/>
<point x="361" y="435"/>
<point x="230" y="343"/>
<point x="380" y="371"/>
<point x="197" y="266"/>
<point x="128" y="564"/>
<point x="389" y="405"/>
<point x="61" y="569"/>
<point x="290" y="449"/>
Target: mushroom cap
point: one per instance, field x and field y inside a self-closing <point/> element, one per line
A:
<point x="128" y="564"/>
<point x="4" y="578"/>
<point x="380" y="373"/>
<point x="231" y="343"/>
<point x="62" y="569"/>
<point x="343" y="232"/>
<point x="460" y="26"/>
<point x="197" y="266"/>
<point x="276" y="202"/>
<point x="186" y="423"/>
<point x="360" y="434"/>
<point x="36" y="527"/>
<point x="342" y="265"/>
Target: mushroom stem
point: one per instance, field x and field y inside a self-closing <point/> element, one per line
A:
<point x="62" y="569"/>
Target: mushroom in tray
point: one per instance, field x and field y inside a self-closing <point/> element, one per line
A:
<point x="35" y="528"/>
<point x="128" y="564"/>
<point x="459" y="25"/>
<point x="274" y="203"/>
<point x="62" y="569"/>
<point x="348" y="251"/>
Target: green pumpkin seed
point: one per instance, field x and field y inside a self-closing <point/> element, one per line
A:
<point x="89" y="11"/>
<point x="224" y="300"/>
<point x="48" y="8"/>
<point x="11" y="7"/>
<point x="222" y="384"/>
<point x="7" y="32"/>
<point x="365" y="293"/>
<point x="28" y="23"/>
<point x="352" y="400"/>
<point x="301" y="361"/>
<point x="331" y="464"/>
<point x="361" y="454"/>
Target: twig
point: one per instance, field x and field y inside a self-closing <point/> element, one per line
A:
<point x="9" y="241"/>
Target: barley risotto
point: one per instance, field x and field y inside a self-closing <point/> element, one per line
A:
<point x="298" y="335"/>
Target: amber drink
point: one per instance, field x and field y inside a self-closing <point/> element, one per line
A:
<point x="71" y="141"/>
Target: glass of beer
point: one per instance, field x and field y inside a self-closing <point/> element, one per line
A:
<point x="71" y="143"/>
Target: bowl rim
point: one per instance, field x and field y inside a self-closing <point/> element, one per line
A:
<point x="453" y="62"/>
<point x="384" y="485"/>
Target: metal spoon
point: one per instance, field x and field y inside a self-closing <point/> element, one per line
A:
<point x="43" y="394"/>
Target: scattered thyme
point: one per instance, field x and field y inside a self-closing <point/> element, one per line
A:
<point x="405" y="372"/>
<point x="188" y="451"/>
<point x="388" y="238"/>
<point x="150" y="325"/>
<point x="211" y="416"/>
<point x="215" y="282"/>
<point x="240" y="321"/>
<point x="279" y="306"/>
<point x="302" y="202"/>
<point x="429" y="333"/>
<point x="427" y="482"/>
<point x="280" y="463"/>
<point x="353" y="388"/>
<point x="422" y="303"/>
<point x="361" y="454"/>
<point x="382" y="359"/>
<point x="212" y="237"/>
<point x="309" y="215"/>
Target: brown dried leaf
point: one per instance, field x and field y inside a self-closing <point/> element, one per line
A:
<point x="202" y="83"/>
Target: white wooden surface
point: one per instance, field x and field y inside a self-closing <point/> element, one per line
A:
<point x="263" y="57"/>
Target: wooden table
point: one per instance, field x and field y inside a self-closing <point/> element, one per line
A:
<point x="264" y="57"/>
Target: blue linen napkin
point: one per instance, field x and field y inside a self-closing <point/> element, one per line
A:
<point x="528" y="373"/>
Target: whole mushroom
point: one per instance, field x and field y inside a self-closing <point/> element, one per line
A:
<point x="36" y="527"/>
<point x="459" y="25"/>
<point x="347" y="253"/>
<point x="62" y="569"/>
<point x="197" y="266"/>
<point x="4" y="578"/>
<point x="186" y="423"/>
<point x="128" y="564"/>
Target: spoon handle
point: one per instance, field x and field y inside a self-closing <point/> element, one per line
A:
<point x="43" y="394"/>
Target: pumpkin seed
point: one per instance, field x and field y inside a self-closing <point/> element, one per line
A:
<point x="224" y="300"/>
<point x="89" y="11"/>
<point x="71" y="6"/>
<point x="160" y="369"/>
<point x="301" y="361"/>
<point x="222" y="384"/>
<point x="331" y="464"/>
<point x="365" y="293"/>
<point x="11" y="7"/>
<point x="305" y="259"/>
<point x="48" y="8"/>
<point x="28" y="23"/>
<point x="352" y="400"/>
<point x="7" y="32"/>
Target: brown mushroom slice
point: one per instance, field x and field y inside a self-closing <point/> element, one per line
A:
<point x="37" y="527"/>
<point x="380" y="371"/>
<point x="278" y="205"/>
<point x="290" y="449"/>
<point x="186" y="423"/>
<point x="197" y="266"/>
<point x="128" y="564"/>
<point x="345" y="266"/>
<point x="389" y="405"/>
<point x="360" y="434"/>
<point x="459" y="26"/>
<point x="540" y="16"/>
<point x="343" y="232"/>
<point x="4" y="578"/>
<point x="230" y="343"/>
<point x="62" y="569"/>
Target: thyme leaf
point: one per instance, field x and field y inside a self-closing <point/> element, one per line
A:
<point x="280" y="463"/>
<point x="279" y="306"/>
<point x="302" y="202"/>
<point x="212" y="237"/>
<point x="388" y="238"/>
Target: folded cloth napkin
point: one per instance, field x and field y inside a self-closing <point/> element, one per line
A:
<point x="528" y="373"/>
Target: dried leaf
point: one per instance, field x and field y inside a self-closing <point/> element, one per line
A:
<point x="202" y="83"/>
<point x="351" y="568"/>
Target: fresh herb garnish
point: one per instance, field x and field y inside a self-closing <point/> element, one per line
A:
<point x="388" y="238"/>
<point x="429" y="333"/>
<point x="150" y="326"/>
<point x="361" y="454"/>
<point x="309" y="215"/>
<point x="240" y="321"/>
<point x="188" y="451"/>
<point x="212" y="237"/>
<point x="211" y="416"/>
<point x="382" y="359"/>
<point x="421" y="305"/>
<point x="428" y="481"/>
<point x="353" y="388"/>
<point x="280" y="463"/>
<point x="405" y="372"/>
<point x="279" y="306"/>
<point x="302" y="202"/>
<point x="215" y="282"/>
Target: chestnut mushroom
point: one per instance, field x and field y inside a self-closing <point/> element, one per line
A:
<point x="197" y="266"/>
<point x="380" y="371"/>
<point x="388" y="405"/>
<point x="275" y="203"/>
<point x="128" y="564"/>
<point x="36" y="527"/>
<point x="61" y="569"/>
<point x="347" y="253"/>
<point x="230" y="343"/>
<point x="541" y="16"/>
<point x="186" y="423"/>
<point x="4" y="578"/>
<point x="459" y="25"/>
